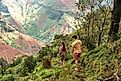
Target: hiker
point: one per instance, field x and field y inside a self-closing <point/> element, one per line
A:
<point x="77" y="49"/>
<point x="62" y="50"/>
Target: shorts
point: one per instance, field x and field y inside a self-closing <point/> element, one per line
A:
<point x="76" y="56"/>
<point x="62" y="57"/>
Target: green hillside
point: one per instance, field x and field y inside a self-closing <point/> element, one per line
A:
<point x="101" y="62"/>
<point x="96" y="26"/>
<point x="42" y="17"/>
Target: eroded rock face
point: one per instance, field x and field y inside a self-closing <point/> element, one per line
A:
<point x="15" y="10"/>
<point x="39" y="13"/>
<point x="19" y="8"/>
<point x="8" y="53"/>
<point x="15" y="44"/>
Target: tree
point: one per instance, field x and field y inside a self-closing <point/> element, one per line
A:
<point x="3" y="64"/>
<point x="116" y="14"/>
<point x="93" y="17"/>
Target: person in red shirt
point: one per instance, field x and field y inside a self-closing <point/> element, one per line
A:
<point x="62" y="51"/>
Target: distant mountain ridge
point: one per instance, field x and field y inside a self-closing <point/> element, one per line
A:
<point x="40" y="16"/>
<point x="24" y="23"/>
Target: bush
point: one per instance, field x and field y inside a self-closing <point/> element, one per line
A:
<point x="46" y="62"/>
<point x="3" y="63"/>
<point x="9" y="70"/>
<point x="17" y="61"/>
<point x="8" y="77"/>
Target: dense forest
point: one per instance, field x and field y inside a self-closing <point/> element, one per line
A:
<point x="98" y="29"/>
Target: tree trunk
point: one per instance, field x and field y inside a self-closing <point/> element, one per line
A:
<point x="101" y="31"/>
<point x="115" y="18"/>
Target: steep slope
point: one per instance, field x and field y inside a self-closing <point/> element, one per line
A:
<point x="100" y="64"/>
<point x="6" y="17"/>
<point x="21" y="42"/>
<point x="23" y="22"/>
<point x="35" y="17"/>
<point x="8" y="53"/>
<point x="14" y="38"/>
<point x="15" y="43"/>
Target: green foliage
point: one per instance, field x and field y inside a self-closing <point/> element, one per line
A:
<point x="92" y="27"/>
<point x="96" y="28"/>
<point x="46" y="62"/>
<point x="101" y="61"/>
<point x="9" y="70"/>
<point x="3" y="65"/>
<point x="3" y="62"/>
<point x="8" y="42"/>
<point x="17" y="61"/>
<point x="27" y="65"/>
<point x="8" y="77"/>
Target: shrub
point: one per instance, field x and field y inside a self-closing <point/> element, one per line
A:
<point x="8" y="77"/>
